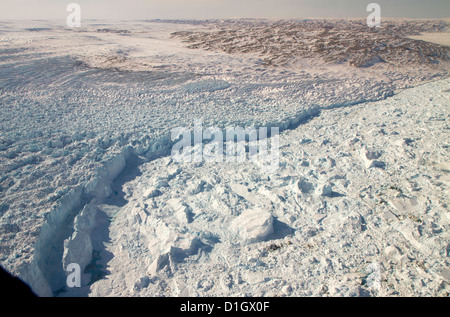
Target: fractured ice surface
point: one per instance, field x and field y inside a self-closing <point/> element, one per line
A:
<point x="78" y="106"/>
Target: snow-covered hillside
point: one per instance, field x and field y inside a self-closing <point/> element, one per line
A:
<point x="86" y="116"/>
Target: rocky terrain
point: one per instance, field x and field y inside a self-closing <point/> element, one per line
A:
<point x="347" y="41"/>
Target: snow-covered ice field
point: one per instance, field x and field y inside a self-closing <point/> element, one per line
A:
<point x="357" y="206"/>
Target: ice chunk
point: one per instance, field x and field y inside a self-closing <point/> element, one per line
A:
<point x="161" y="262"/>
<point x="370" y="158"/>
<point x="152" y="192"/>
<point x="78" y="248"/>
<point x="253" y="225"/>
<point x="182" y="211"/>
<point x="404" y="204"/>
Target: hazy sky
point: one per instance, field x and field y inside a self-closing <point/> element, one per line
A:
<point x="199" y="9"/>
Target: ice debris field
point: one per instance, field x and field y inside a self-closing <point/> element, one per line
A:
<point x="357" y="207"/>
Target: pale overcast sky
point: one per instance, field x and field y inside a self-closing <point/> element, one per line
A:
<point x="200" y="9"/>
